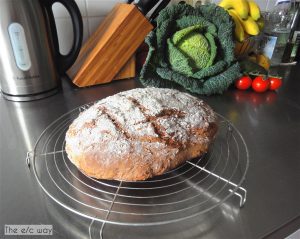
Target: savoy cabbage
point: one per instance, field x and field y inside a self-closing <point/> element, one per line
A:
<point x="192" y="48"/>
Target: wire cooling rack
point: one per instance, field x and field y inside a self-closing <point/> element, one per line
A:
<point x="191" y="189"/>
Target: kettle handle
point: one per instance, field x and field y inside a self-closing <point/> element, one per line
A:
<point x="64" y="62"/>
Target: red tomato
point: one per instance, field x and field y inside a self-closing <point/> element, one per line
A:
<point x="275" y="83"/>
<point x="259" y="84"/>
<point x="243" y="83"/>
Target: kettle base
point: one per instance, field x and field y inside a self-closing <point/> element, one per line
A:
<point x="22" y="98"/>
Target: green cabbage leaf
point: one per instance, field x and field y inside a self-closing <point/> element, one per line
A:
<point x="192" y="48"/>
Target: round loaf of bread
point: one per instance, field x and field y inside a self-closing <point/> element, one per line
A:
<point x="140" y="133"/>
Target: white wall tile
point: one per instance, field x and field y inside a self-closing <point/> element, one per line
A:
<point x="86" y="32"/>
<point x="97" y="8"/>
<point x="82" y="7"/>
<point x="59" y="11"/>
<point x="91" y="20"/>
<point x="65" y="34"/>
<point x="93" y="23"/>
<point x="93" y="12"/>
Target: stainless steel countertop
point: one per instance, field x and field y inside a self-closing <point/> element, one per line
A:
<point x="269" y="123"/>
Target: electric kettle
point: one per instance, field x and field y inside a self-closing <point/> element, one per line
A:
<point x="30" y="61"/>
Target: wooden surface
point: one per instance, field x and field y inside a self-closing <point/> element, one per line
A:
<point x="111" y="46"/>
<point x="128" y="70"/>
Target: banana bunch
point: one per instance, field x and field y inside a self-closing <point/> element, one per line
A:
<point x="246" y="15"/>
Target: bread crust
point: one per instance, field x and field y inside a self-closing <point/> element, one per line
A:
<point x="141" y="133"/>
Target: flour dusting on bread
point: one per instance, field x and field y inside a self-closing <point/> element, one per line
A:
<point x="140" y="133"/>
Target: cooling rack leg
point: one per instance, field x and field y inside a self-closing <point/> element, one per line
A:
<point x="240" y="191"/>
<point x="110" y="207"/>
<point x="29" y="155"/>
<point x="242" y="195"/>
<point x="94" y="225"/>
<point x="90" y="229"/>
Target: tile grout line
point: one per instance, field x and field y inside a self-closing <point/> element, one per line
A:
<point x="87" y="17"/>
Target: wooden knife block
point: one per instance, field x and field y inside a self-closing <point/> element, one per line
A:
<point x="108" y="50"/>
<point x="128" y="70"/>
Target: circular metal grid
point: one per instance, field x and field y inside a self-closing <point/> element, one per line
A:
<point x="195" y="187"/>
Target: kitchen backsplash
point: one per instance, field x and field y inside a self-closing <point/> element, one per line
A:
<point x="93" y="12"/>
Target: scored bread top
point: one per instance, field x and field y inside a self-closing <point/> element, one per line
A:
<point x="119" y="124"/>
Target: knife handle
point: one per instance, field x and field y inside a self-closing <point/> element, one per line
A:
<point x="146" y="5"/>
<point x="161" y="6"/>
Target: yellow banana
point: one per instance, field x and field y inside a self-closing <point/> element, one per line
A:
<point x="249" y="25"/>
<point x="254" y="10"/>
<point x="240" y="6"/>
<point x="238" y="30"/>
